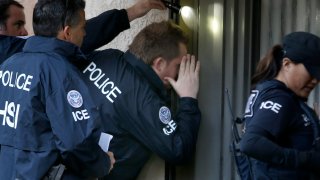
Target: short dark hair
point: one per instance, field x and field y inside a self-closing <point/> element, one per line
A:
<point x="4" y="7"/>
<point x="51" y="16"/>
<point x="161" y="39"/>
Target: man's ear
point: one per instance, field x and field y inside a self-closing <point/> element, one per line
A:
<point x="158" y="64"/>
<point x="65" y="34"/>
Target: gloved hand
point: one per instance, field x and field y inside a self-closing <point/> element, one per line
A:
<point x="309" y="160"/>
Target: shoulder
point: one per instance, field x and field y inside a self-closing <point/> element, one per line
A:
<point x="275" y="90"/>
<point x="12" y="39"/>
<point x="276" y="100"/>
<point x="104" y="55"/>
<point x="56" y="66"/>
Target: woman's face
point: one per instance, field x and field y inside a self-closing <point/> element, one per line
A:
<point x="297" y="78"/>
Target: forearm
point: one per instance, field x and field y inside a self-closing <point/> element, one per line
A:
<point x="189" y="116"/>
<point x="87" y="160"/>
<point x="188" y="121"/>
<point x="142" y="7"/>
<point x="263" y="149"/>
<point x="104" y="28"/>
<point x="76" y="140"/>
<point x="171" y="138"/>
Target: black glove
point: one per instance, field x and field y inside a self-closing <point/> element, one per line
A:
<point x="309" y="160"/>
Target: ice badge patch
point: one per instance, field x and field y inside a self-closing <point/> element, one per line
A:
<point x="74" y="98"/>
<point x="165" y="115"/>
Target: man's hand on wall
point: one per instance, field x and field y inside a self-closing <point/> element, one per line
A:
<point x="142" y="7"/>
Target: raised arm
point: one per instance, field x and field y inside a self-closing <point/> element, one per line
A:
<point x="106" y="26"/>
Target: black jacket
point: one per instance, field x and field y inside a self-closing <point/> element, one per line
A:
<point x="134" y="110"/>
<point x="48" y="114"/>
<point x="277" y="132"/>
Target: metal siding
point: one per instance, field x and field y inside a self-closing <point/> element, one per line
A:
<point x="208" y="159"/>
<point x="225" y="63"/>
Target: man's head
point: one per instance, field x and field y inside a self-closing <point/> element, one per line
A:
<point x="161" y="45"/>
<point x="64" y="19"/>
<point x="12" y="18"/>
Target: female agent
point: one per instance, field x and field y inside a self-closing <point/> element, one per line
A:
<point x="279" y="135"/>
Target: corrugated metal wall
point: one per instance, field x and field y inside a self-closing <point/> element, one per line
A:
<point x="285" y="16"/>
<point x="224" y="49"/>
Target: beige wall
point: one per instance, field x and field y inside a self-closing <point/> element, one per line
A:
<point x="95" y="7"/>
<point x="28" y="9"/>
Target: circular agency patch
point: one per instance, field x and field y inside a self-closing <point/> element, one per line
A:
<point x="165" y="115"/>
<point x="74" y="98"/>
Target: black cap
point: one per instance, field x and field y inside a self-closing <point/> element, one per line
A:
<point x="304" y="47"/>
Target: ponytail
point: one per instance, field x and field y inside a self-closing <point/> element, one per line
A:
<point x="269" y="66"/>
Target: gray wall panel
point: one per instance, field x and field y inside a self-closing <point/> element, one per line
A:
<point x="225" y="63"/>
<point x="210" y="54"/>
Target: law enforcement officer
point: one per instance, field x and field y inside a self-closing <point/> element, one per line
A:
<point x="48" y="117"/>
<point x="100" y="30"/>
<point x="132" y="90"/>
<point x="280" y="129"/>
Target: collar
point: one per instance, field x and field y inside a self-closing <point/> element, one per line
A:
<point x="272" y="84"/>
<point x="146" y="72"/>
<point x="276" y="84"/>
<point x="7" y="41"/>
<point x="4" y="36"/>
<point x="39" y="44"/>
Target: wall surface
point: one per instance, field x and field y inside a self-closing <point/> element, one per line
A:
<point x="95" y="7"/>
<point x="224" y="52"/>
<point x="28" y="10"/>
